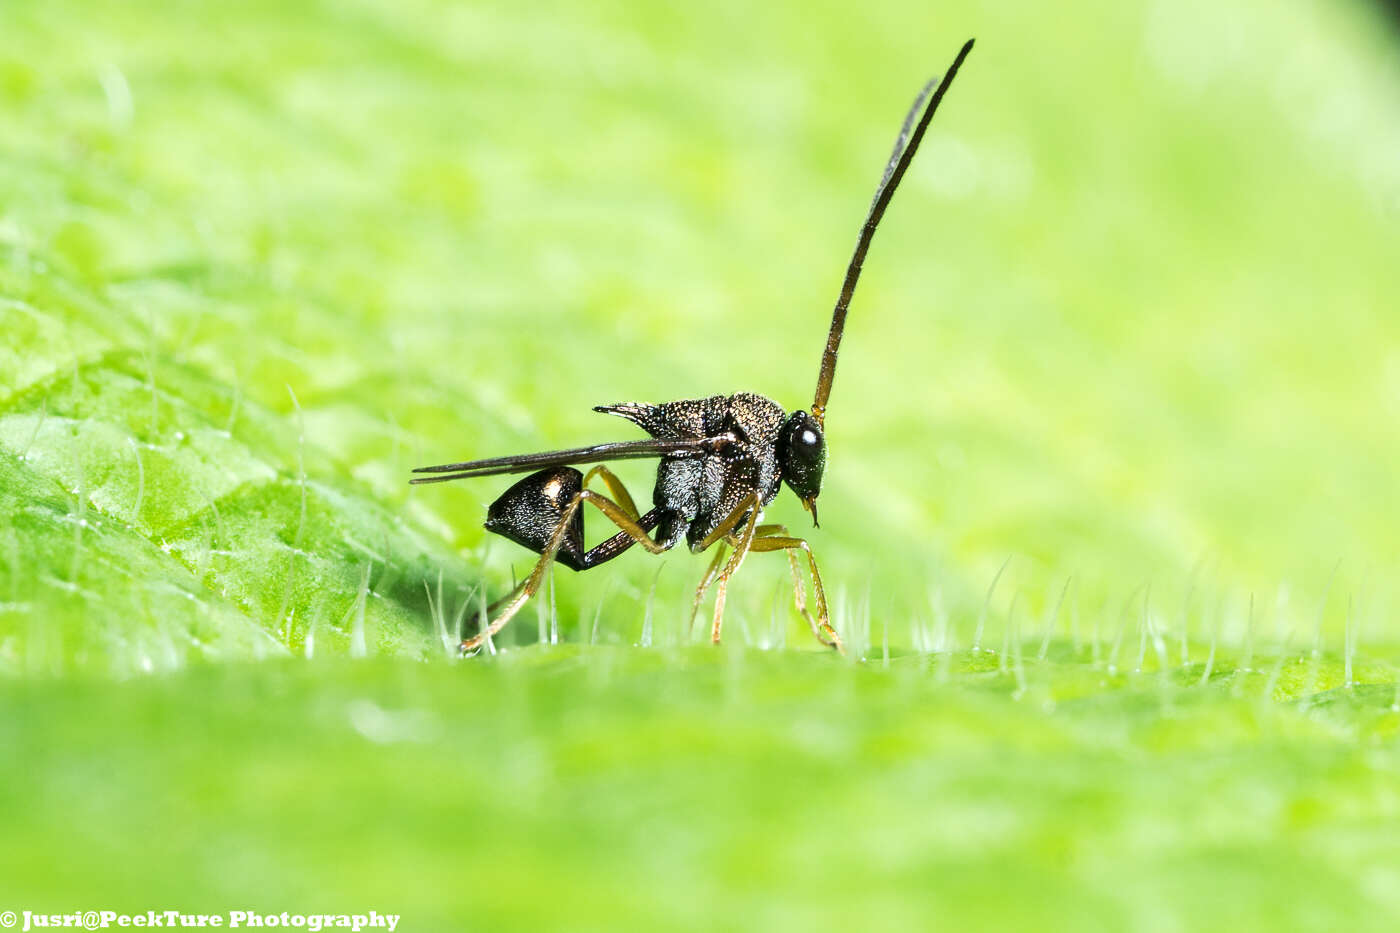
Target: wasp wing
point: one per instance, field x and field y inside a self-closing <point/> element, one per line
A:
<point x="619" y="450"/>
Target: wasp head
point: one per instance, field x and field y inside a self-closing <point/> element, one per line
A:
<point x="802" y="458"/>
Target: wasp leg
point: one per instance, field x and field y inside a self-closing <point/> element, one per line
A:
<point x="713" y="570"/>
<point x="705" y="582"/>
<point x="619" y="492"/>
<point x="742" y="543"/>
<point x="634" y="531"/>
<point x="775" y="538"/>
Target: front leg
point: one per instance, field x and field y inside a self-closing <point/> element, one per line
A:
<point x="776" y="538"/>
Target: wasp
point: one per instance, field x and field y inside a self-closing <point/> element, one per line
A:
<point x="722" y="460"/>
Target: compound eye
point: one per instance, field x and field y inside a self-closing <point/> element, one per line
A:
<point x="803" y="454"/>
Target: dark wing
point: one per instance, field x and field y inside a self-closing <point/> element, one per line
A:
<point x="620" y="450"/>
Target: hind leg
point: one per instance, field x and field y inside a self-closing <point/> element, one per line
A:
<point x="632" y="531"/>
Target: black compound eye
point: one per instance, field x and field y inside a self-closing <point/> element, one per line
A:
<point x="802" y="450"/>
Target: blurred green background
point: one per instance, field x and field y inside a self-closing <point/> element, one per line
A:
<point x="1128" y="331"/>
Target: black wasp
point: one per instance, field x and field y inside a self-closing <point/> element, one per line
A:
<point x="722" y="459"/>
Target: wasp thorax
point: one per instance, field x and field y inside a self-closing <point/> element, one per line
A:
<point x="802" y="454"/>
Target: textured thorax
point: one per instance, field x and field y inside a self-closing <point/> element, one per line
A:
<point x="702" y="491"/>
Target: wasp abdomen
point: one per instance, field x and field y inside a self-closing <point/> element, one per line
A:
<point x="529" y="512"/>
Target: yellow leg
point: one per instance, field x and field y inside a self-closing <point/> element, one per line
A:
<point x="619" y="492"/>
<point x="733" y="518"/>
<point x="522" y="593"/>
<point x="777" y="540"/>
<point x="741" y="550"/>
<point x="705" y="582"/>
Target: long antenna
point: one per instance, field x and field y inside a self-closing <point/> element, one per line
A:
<point x="904" y="148"/>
